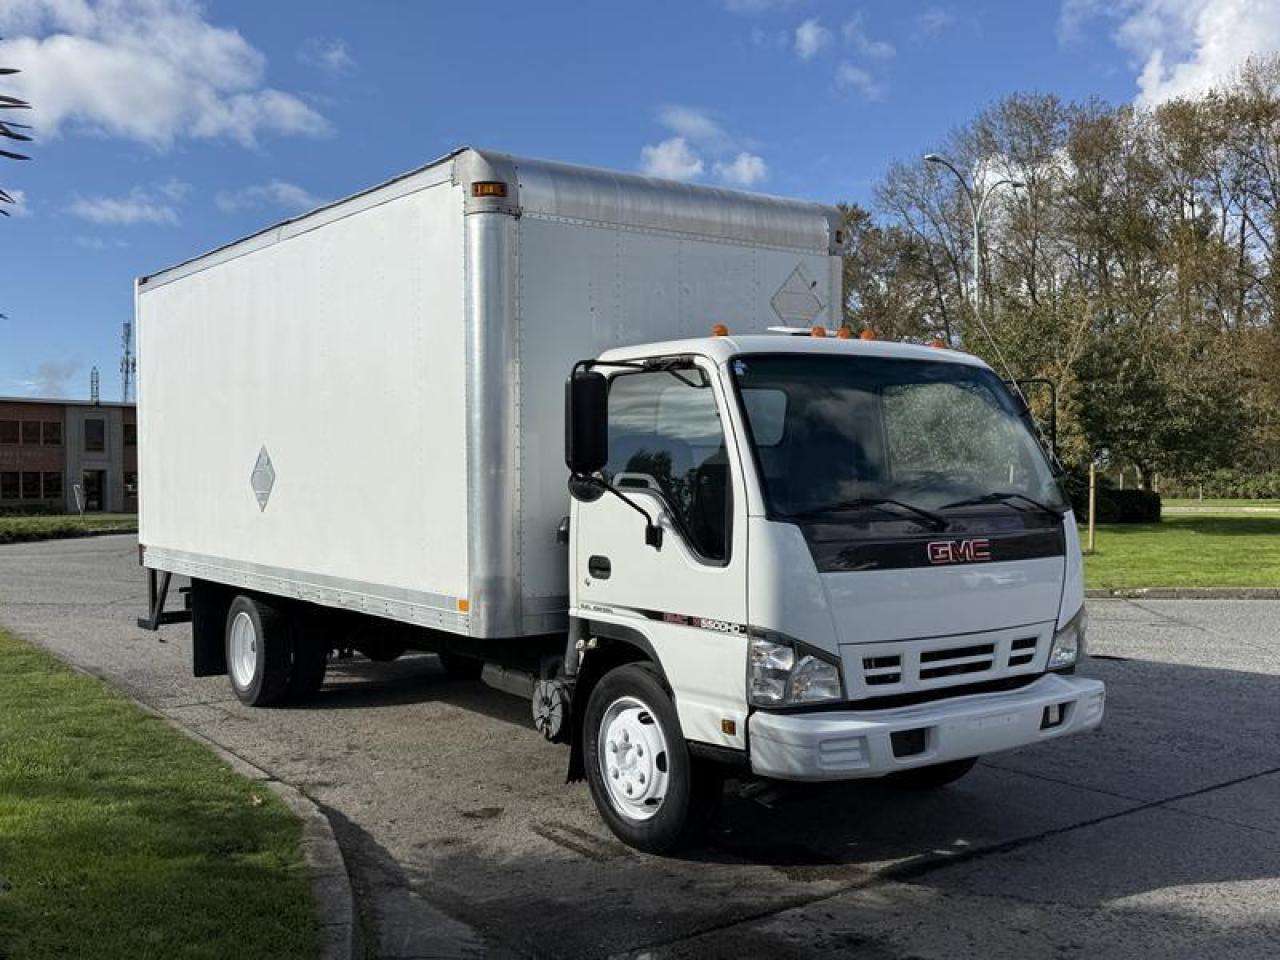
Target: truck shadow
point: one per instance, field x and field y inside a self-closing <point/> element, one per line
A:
<point x="358" y="683"/>
<point x="1177" y="792"/>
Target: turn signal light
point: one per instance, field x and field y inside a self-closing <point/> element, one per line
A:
<point x="719" y="330"/>
<point x="818" y="332"/>
<point x="488" y="188"/>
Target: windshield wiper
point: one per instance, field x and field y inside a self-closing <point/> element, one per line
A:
<point x="931" y="519"/>
<point x="1004" y="496"/>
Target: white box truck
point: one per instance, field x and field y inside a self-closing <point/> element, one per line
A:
<point x="533" y="417"/>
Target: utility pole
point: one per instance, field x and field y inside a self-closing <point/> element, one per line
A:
<point x="128" y="365"/>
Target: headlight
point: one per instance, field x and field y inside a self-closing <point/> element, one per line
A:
<point x="782" y="673"/>
<point x="1068" y="643"/>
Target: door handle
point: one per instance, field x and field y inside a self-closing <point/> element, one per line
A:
<point x="599" y="567"/>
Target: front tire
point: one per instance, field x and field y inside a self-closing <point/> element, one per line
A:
<point x="652" y="794"/>
<point x="259" y="651"/>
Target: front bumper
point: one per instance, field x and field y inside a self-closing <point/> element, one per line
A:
<point x="850" y="744"/>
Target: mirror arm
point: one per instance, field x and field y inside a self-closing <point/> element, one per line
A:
<point x="652" y="532"/>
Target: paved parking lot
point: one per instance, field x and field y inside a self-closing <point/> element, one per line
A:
<point x="1158" y="836"/>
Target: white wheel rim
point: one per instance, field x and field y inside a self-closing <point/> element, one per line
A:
<point x="244" y="650"/>
<point x="633" y="757"/>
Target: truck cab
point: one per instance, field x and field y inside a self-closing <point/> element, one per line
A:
<point x="842" y="559"/>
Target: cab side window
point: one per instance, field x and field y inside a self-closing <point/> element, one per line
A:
<point x="665" y="435"/>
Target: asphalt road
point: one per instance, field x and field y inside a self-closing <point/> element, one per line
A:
<point x="1158" y="836"/>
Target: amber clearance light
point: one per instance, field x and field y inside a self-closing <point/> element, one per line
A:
<point x="488" y="188"/>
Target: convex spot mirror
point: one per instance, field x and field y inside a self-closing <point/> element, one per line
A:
<point x="586" y="422"/>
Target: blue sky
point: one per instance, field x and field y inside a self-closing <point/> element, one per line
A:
<point x="168" y="127"/>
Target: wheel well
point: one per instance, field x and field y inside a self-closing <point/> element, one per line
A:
<point x="609" y="646"/>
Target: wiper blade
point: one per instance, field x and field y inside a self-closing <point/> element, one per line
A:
<point x="1004" y="496"/>
<point x="874" y="503"/>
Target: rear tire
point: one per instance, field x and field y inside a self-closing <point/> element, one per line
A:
<point x="650" y="791"/>
<point x="259" y="651"/>
<point x="932" y="777"/>
<point x="310" y="661"/>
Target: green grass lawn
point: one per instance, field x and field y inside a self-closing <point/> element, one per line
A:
<point x="22" y="529"/>
<point x="1187" y="550"/>
<point x="1208" y="504"/>
<point x="121" y="838"/>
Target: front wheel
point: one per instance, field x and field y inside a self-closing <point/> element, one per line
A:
<point x="649" y="790"/>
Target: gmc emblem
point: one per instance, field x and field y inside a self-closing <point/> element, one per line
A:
<point x="959" y="551"/>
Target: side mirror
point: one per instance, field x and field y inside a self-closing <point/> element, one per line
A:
<point x="586" y="422"/>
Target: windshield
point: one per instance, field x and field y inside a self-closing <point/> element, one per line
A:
<point x="833" y="434"/>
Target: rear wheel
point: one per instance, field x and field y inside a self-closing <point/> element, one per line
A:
<point x="650" y="791"/>
<point x="259" y="649"/>
<point x="932" y="777"/>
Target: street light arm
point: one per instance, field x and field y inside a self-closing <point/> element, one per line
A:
<point x="936" y="158"/>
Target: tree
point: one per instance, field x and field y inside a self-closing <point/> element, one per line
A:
<point x="1138" y="270"/>
<point x="11" y="130"/>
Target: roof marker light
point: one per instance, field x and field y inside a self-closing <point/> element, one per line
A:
<point x="937" y="343"/>
<point x="818" y="332"/>
<point x="719" y="330"/>
<point x="844" y="334"/>
<point x="866" y="334"/>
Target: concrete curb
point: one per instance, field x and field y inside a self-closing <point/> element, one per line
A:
<point x="1186" y="593"/>
<point x="330" y="883"/>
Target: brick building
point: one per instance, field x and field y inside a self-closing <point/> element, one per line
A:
<point x="47" y="447"/>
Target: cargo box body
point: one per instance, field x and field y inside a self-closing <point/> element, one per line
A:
<point x="362" y="407"/>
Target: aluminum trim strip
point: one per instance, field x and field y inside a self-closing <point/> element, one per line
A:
<point x="394" y="603"/>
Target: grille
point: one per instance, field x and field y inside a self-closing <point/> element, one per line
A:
<point x="906" y="666"/>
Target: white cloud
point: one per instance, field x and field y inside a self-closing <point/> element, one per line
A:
<point x="157" y="206"/>
<point x="855" y="34"/>
<point x="933" y="21"/>
<point x="811" y="37"/>
<point x="700" y="143"/>
<point x="276" y="193"/>
<point x="696" y="126"/>
<point x="672" y="159"/>
<point x="1181" y="47"/>
<point x="152" y="71"/>
<point x="328" y="55"/>
<point x="99" y="243"/>
<point x="744" y="170"/>
<point x="50" y="378"/>
<point x="20" y="207"/>
<point x="850" y="76"/>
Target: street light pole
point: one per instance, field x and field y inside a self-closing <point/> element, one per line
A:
<point x="977" y="207"/>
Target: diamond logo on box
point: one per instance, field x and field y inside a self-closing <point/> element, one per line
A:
<point x="797" y="302"/>
<point x="263" y="478"/>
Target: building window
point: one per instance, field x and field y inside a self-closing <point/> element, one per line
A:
<point x="130" y="434"/>
<point x="95" y="436"/>
<point x="9" y="485"/>
<point x="31" y="432"/>
<point x="31" y="486"/>
<point x="8" y="431"/>
<point x="53" y="433"/>
<point x="53" y="486"/>
<point x="130" y="483"/>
